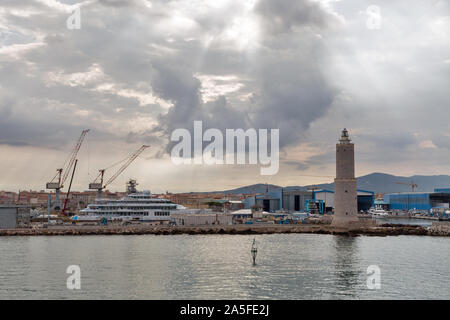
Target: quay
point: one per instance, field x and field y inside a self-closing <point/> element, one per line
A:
<point x="437" y="229"/>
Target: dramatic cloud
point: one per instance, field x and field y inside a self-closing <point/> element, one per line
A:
<point x="137" y="70"/>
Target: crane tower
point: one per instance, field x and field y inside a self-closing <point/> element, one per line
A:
<point x="98" y="182"/>
<point x="58" y="180"/>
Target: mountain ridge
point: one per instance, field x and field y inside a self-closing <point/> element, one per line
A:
<point x="377" y="182"/>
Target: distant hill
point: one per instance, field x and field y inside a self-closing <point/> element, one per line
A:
<point x="376" y="182"/>
<point x="255" y="188"/>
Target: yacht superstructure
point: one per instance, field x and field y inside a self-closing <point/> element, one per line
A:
<point x="140" y="206"/>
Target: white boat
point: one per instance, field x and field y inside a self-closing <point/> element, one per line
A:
<point x="378" y="212"/>
<point x="139" y="206"/>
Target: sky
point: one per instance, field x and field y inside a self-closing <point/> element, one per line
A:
<point x="137" y="70"/>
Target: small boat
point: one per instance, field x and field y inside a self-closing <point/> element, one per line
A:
<point x="378" y="212"/>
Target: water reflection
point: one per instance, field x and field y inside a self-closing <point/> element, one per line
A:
<point x="345" y="265"/>
<point x="289" y="266"/>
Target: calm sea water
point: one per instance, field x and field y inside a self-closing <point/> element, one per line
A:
<point x="409" y="221"/>
<point x="290" y="266"/>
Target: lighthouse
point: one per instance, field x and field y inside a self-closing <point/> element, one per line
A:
<point x="345" y="194"/>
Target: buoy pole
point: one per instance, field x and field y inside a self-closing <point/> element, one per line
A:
<point x="254" y="251"/>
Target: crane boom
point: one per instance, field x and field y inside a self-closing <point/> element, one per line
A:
<point x="63" y="212"/>
<point x="411" y="184"/>
<point x="62" y="174"/>
<point x="73" y="157"/>
<point x="125" y="165"/>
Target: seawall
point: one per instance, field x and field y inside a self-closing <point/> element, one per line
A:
<point x="380" y="230"/>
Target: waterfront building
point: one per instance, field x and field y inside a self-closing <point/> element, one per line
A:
<point x="270" y="202"/>
<point x="365" y="200"/>
<point x="198" y="219"/>
<point x="8" y="217"/>
<point x="12" y="216"/>
<point x="242" y="214"/>
<point x="296" y="200"/>
<point x="421" y="201"/>
<point x="233" y="205"/>
<point x="203" y="200"/>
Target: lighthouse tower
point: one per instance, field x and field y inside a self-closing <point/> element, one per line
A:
<point x="345" y="194"/>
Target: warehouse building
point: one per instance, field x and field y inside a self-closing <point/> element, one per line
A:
<point x="422" y="201"/>
<point x="198" y="219"/>
<point x="442" y="190"/>
<point x="269" y="203"/>
<point x="304" y="201"/>
<point x="8" y="217"/>
<point x="296" y="201"/>
<point x="12" y="217"/>
<point x="324" y="200"/>
<point x="366" y="200"/>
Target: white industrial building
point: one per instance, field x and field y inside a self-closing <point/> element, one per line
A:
<point x="201" y="219"/>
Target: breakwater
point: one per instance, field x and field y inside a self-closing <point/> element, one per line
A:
<point x="380" y="230"/>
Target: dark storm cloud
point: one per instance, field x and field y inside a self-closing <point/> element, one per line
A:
<point x="285" y="16"/>
<point x="288" y="88"/>
<point x="178" y="84"/>
<point x="163" y="48"/>
<point x="284" y="77"/>
<point x="43" y="109"/>
<point x="293" y="90"/>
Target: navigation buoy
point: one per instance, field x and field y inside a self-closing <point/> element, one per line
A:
<point x="254" y="251"/>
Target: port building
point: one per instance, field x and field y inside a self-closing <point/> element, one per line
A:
<point x="324" y="200"/>
<point x="302" y="201"/>
<point x="12" y="217"/>
<point x="197" y="219"/>
<point x="8" y="217"/>
<point x="296" y="200"/>
<point x="422" y="201"/>
<point x="269" y="201"/>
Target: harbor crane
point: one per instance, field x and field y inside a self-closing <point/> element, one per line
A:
<point x="57" y="183"/>
<point x="63" y="212"/>
<point x="411" y="184"/>
<point x="98" y="182"/>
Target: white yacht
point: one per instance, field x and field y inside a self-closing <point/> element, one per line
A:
<point x="140" y="206"/>
<point x="378" y="212"/>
